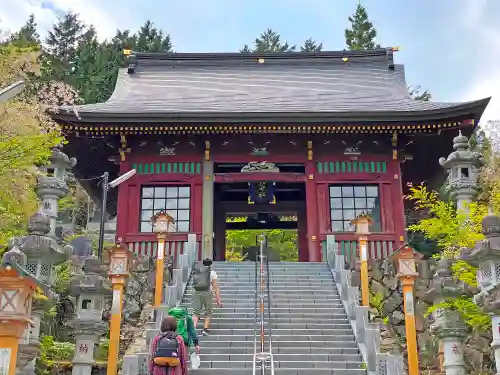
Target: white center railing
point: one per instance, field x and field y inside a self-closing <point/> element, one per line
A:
<point x="262" y="358"/>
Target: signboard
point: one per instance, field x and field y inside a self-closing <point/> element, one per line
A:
<point x="5" y="361"/>
<point x="115" y="307"/>
<point x="410" y="309"/>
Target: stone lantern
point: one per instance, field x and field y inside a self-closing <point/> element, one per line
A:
<point x="448" y="325"/>
<point x="486" y="256"/>
<point x="52" y="186"/>
<point x="462" y="166"/>
<point x="91" y="288"/>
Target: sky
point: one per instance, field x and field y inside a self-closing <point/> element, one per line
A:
<point x="450" y="47"/>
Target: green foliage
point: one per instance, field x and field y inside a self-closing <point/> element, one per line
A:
<point x="463" y="271"/>
<point x="234" y="256"/>
<point x="62" y="277"/>
<point x="416" y="94"/>
<point x="27" y="136"/>
<point x="377" y="302"/>
<point x="269" y="41"/>
<point x="52" y="352"/>
<point x="471" y="313"/>
<point x="311" y="45"/>
<point x="362" y="33"/>
<point x="282" y="240"/>
<point x="449" y="228"/>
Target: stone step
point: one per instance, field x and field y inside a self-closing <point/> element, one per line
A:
<point x="281" y="350"/>
<point x="305" y="363"/>
<point x="238" y="332"/>
<point x="229" y="320"/>
<point x="231" y="290"/>
<point x="275" y="305"/>
<point x="306" y="357"/>
<point x="208" y="341"/>
<point x="275" y="292"/>
<point x="217" y="326"/>
<point x="285" y="317"/>
<point x="278" y="371"/>
<point x="281" y="299"/>
<point x="282" y="310"/>
<point x="280" y="339"/>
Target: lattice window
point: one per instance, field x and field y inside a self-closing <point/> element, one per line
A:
<point x="98" y="304"/>
<point x="382" y="367"/>
<point x="486" y="273"/>
<point x="175" y="200"/>
<point x="497" y="272"/>
<point x="32" y="268"/>
<point x="349" y="201"/>
<point x="45" y="270"/>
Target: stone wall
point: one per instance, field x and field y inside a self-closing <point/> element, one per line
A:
<point x="386" y="308"/>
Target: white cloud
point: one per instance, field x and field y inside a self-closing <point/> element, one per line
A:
<point x="14" y="13"/>
<point x="486" y="81"/>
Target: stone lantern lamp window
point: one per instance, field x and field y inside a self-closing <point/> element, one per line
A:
<point x="90" y="306"/>
<point x="489" y="275"/>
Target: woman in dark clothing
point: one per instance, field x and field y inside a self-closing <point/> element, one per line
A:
<point x="168" y="328"/>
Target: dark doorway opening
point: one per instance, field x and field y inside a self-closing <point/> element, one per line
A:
<point x="238" y="222"/>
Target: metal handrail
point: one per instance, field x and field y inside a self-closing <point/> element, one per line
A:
<point x="265" y="358"/>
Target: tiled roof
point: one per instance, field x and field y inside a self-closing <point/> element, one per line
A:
<point x="177" y="84"/>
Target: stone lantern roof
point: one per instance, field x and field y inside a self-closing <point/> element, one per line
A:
<point x="489" y="248"/>
<point x="461" y="153"/>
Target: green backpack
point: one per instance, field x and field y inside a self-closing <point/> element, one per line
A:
<point x="182" y="316"/>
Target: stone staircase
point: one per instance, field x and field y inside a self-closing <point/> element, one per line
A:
<point x="311" y="333"/>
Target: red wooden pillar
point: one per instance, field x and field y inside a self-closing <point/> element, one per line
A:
<point x="313" y="244"/>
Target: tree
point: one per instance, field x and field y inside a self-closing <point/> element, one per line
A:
<point x="27" y="36"/>
<point x="452" y="230"/>
<point x="62" y="40"/>
<point x="269" y="41"/>
<point x="416" y="94"/>
<point x="27" y="135"/>
<point x="311" y="46"/>
<point x="150" y="39"/>
<point x="362" y="33"/>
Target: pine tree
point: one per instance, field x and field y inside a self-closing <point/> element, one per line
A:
<point x="150" y="39"/>
<point x="362" y="36"/>
<point x="27" y="36"/>
<point x="311" y="46"/>
<point x="362" y="33"/>
<point x="269" y="41"/>
<point x="63" y="39"/>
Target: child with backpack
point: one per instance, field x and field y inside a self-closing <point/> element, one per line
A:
<point x="168" y="352"/>
<point x="185" y="327"/>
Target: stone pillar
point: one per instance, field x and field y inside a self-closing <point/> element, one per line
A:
<point x="448" y="325"/>
<point x="90" y="285"/>
<point x="486" y="256"/>
<point x="208" y="209"/>
<point x="462" y="167"/>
